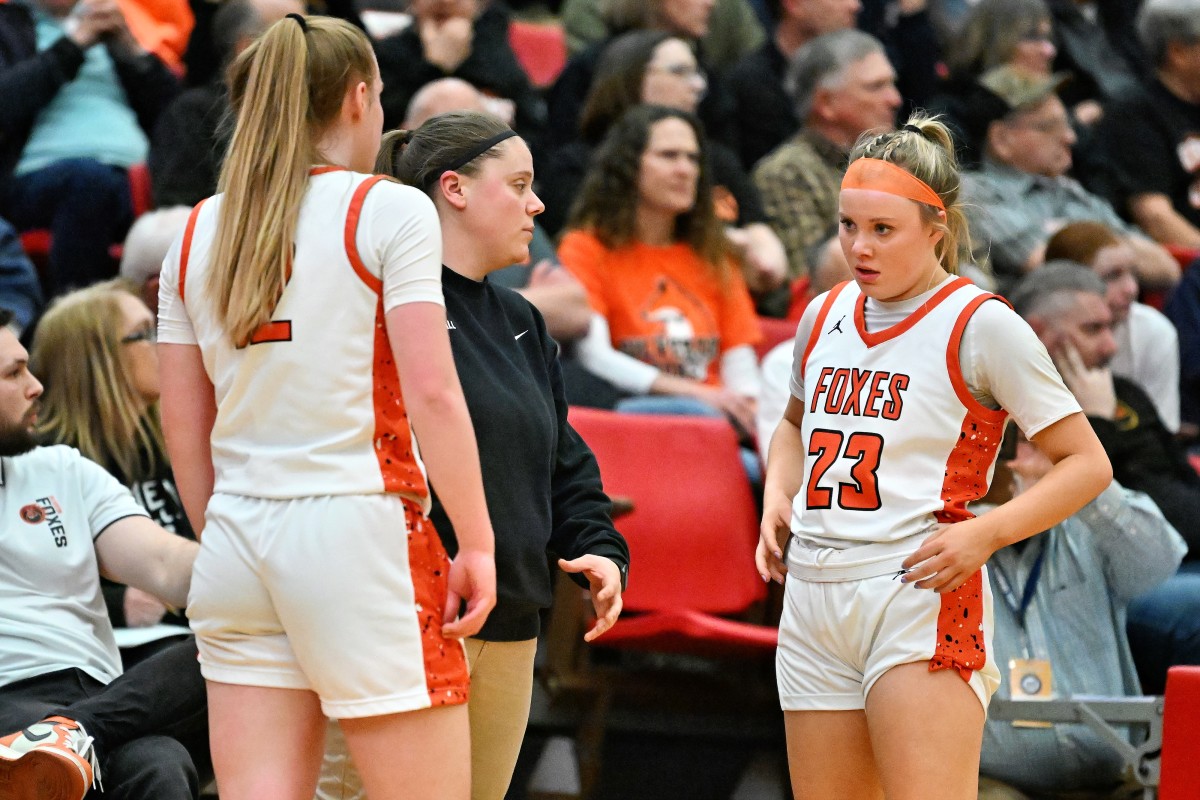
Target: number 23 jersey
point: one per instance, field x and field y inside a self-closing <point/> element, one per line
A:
<point x="897" y="439"/>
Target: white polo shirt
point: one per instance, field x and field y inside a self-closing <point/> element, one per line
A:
<point x="54" y="504"/>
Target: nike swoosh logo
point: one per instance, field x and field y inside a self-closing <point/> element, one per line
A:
<point x="519" y="335"/>
<point x="33" y="737"/>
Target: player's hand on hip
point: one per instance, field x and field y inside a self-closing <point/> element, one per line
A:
<point x="948" y="557"/>
<point x="604" y="577"/>
<point x="472" y="578"/>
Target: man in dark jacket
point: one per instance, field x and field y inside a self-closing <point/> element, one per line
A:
<point x="79" y="95"/>
<point x="465" y="39"/>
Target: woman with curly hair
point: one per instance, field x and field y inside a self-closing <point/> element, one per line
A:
<point x="658" y="68"/>
<point x="672" y="317"/>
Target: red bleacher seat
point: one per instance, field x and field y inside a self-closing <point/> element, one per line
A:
<point x="1186" y="256"/>
<point x="1180" y="776"/>
<point x="774" y="332"/>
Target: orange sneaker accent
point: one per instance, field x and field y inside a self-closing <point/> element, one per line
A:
<point x="50" y="760"/>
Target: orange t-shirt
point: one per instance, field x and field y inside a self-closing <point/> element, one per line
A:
<point x="663" y="305"/>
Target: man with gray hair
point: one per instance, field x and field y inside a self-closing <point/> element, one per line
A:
<point x="842" y="85"/>
<point x="1151" y="137"/>
<point x="1064" y="303"/>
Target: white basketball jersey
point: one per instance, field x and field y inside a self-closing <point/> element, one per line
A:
<point x="895" y="441"/>
<point x="312" y="405"/>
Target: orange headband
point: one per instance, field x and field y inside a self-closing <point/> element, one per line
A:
<point x="884" y="176"/>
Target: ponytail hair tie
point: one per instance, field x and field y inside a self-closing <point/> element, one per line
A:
<point x="912" y="129"/>
<point x="300" y="21"/>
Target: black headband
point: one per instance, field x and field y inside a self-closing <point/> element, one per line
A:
<point x="300" y="20"/>
<point x="466" y="158"/>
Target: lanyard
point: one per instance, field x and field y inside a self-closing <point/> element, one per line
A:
<point x="1019" y="608"/>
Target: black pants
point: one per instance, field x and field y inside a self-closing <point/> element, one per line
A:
<point x="150" y="725"/>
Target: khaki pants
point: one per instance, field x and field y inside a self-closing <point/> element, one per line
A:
<point x="501" y="689"/>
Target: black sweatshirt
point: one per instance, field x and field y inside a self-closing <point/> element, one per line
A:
<point x="541" y="481"/>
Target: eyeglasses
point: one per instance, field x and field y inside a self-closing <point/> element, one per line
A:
<point x="685" y="71"/>
<point x="147" y="334"/>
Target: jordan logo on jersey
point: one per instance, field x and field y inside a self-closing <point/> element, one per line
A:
<point x="837" y="326"/>
<point x="47" y="510"/>
<point x="861" y="392"/>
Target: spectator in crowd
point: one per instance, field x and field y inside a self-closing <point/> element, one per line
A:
<point x="1060" y="610"/>
<point x="80" y="97"/>
<point x="145" y="248"/>
<point x="61" y="685"/>
<point x="1147" y="343"/>
<point x="689" y="20"/>
<point x="1065" y="305"/>
<point x="841" y="85"/>
<point x="672" y="321"/>
<point x="189" y="140"/>
<point x="656" y="68"/>
<point x="20" y="291"/>
<point x="763" y="114"/>
<point x="725" y="31"/>
<point x="1183" y="309"/>
<point x="465" y="39"/>
<point x="1021" y="194"/>
<point x="95" y="349"/>
<point x="1149" y="141"/>
<point x="1099" y="47"/>
<point x="911" y="42"/>
<point x="995" y="33"/>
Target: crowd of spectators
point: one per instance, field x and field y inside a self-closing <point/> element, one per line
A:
<point x="690" y="154"/>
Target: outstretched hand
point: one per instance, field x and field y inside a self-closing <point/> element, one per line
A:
<point x="472" y="578"/>
<point x="604" y="577"/>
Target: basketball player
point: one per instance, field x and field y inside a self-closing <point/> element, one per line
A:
<point x="901" y="384"/>
<point x="297" y="305"/>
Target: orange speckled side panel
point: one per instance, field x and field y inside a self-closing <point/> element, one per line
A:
<point x="960" y="642"/>
<point x="446" y="675"/>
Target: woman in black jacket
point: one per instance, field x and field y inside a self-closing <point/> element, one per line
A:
<point x="541" y="481"/>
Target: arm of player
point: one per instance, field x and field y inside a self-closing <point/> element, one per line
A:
<point x="1081" y="470"/>
<point x="434" y="400"/>
<point x="785" y="474"/>
<point x="189" y="411"/>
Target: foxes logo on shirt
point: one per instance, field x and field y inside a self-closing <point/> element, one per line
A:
<point x="861" y="392"/>
<point x="46" y="509"/>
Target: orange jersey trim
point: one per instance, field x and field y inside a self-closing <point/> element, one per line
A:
<point x="325" y="169"/>
<point x="960" y="641"/>
<point x="185" y="251"/>
<point x="819" y="325"/>
<point x="352" y="217"/>
<point x="954" y="363"/>
<point x="978" y="439"/>
<point x="873" y="339"/>
<point x="446" y="673"/>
